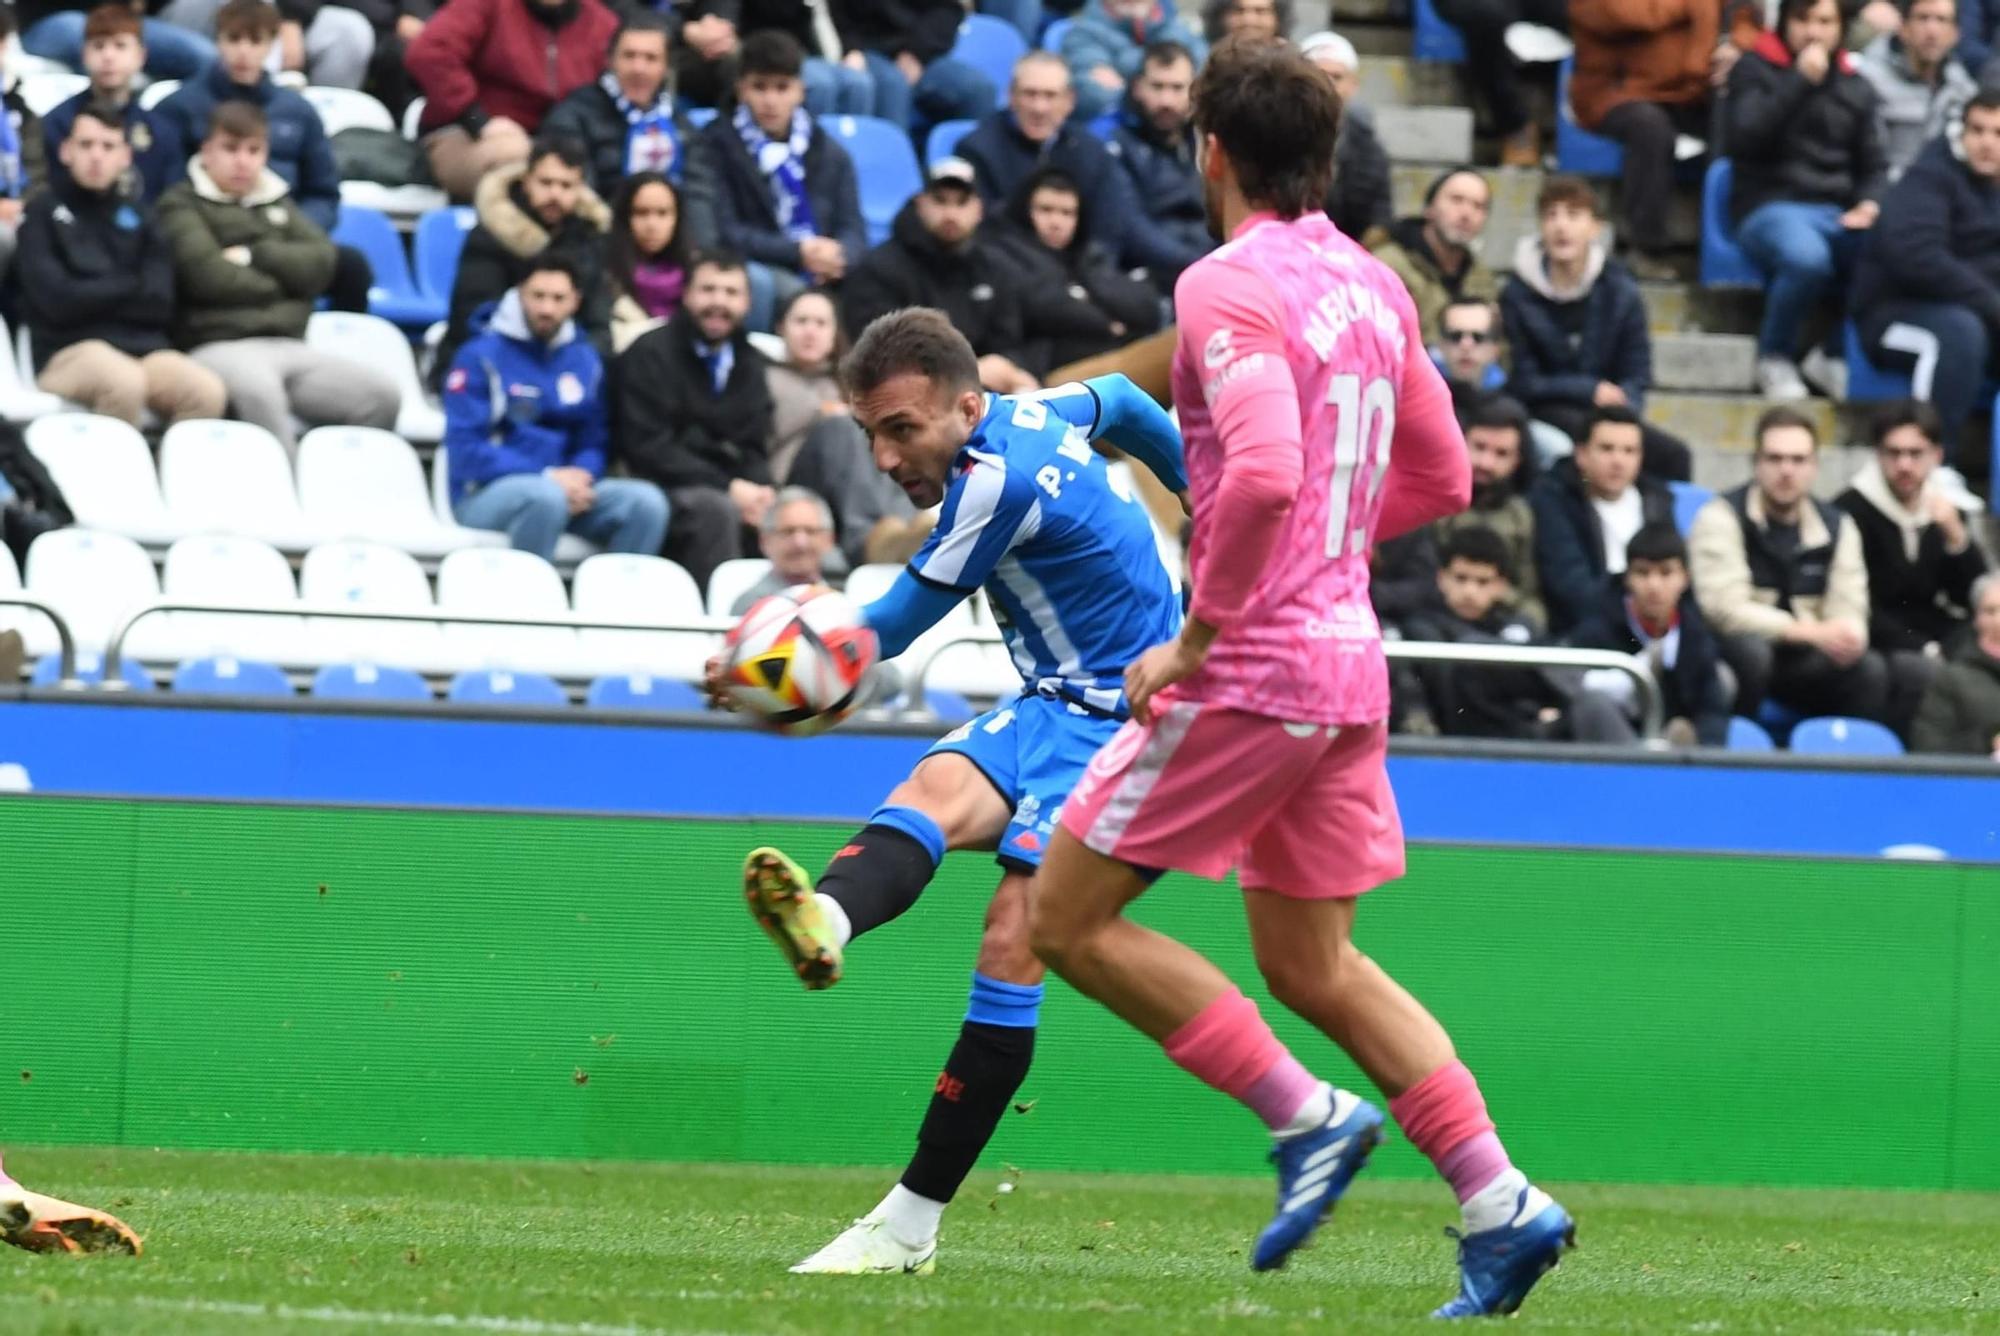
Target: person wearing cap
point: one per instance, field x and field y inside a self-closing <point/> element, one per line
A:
<point x="1358" y="200"/>
<point x="1108" y="39"/>
<point x="936" y="257"/>
<point x="1436" y="254"/>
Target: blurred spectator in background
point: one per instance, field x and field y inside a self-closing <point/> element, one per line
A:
<point x="1642" y="78"/>
<point x="692" y="413"/>
<point x="1652" y="613"/>
<point x="906" y="45"/>
<point x="491" y="70"/>
<point x="626" y="119"/>
<point x="796" y="537"/>
<point x="325" y="44"/>
<point x="1961" y="711"/>
<point x="1358" y="200"/>
<point x="525" y="213"/>
<point x="785" y="193"/>
<point x="112" y="56"/>
<point x="707" y="40"/>
<point x="1486" y="701"/>
<point x="525" y="426"/>
<point x="1246" y="18"/>
<point x="23" y="166"/>
<point x="1034" y="131"/>
<point x="837" y="79"/>
<point x="1799" y="123"/>
<point x="1436" y="254"/>
<point x="1577" y="328"/>
<point x="1926" y="292"/>
<point x="1915" y="520"/>
<point x="1503" y="472"/>
<point x="1586" y="510"/>
<point x="1920" y="87"/>
<point x="646" y="257"/>
<point x="56" y="32"/>
<point x="1024" y="15"/>
<point x="249" y="265"/>
<point x="1781" y="578"/>
<point x="1154" y="146"/>
<point x="1467" y="351"/>
<point x="1108" y="40"/>
<point x="396" y="23"/>
<point x="815" y="442"/>
<point x="936" y="256"/>
<point x="1495" y="72"/>
<point x="97" y="287"/>
<point x="1076" y="303"/>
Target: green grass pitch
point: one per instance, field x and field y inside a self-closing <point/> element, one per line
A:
<point x="242" y="1244"/>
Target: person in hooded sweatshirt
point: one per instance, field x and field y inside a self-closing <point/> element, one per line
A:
<point x="1078" y="303"/>
<point x="97" y="286"/>
<point x="526" y="428"/>
<point x="1576" y="326"/>
<point x="1921" y="88"/>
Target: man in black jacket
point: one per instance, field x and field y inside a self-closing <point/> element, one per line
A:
<point x="1927" y="288"/>
<point x="936" y="256"/>
<point x="1576" y="325"/>
<point x="626" y="121"/>
<point x="1078" y="303"/>
<point x="691" y="412"/>
<point x="1586" y="510"/>
<point x="97" y="287"/>
<point x="1154" y="146"/>
<point x="784" y="192"/>
<point x="523" y="212"/>
<point x="1358" y="201"/>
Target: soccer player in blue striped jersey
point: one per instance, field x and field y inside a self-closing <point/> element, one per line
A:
<point x="1073" y="573"/>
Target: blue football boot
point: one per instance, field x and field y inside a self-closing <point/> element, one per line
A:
<point x="1314" y="1169"/>
<point x="1497" y="1267"/>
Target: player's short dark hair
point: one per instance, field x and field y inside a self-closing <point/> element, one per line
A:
<point x="566" y="149"/>
<point x="1496" y="412"/>
<point x="720" y="258"/>
<point x="1571" y="190"/>
<point x="1164" y="51"/>
<point x="1906" y="413"/>
<point x="1780" y="417"/>
<point x="238" y="120"/>
<point x="1480" y="546"/>
<point x="553" y="261"/>
<point x="1658" y="541"/>
<point x="104" y="113"/>
<point x="1276" y="115"/>
<point x="1620" y="415"/>
<point x="641" y="21"/>
<point x="771" y="52"/>
<point x="916" y="340"/>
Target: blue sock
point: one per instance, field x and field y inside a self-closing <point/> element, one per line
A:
<point x="914" y="824"/>
<point x="996" y="1002"/>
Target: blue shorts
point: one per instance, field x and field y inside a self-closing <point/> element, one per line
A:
<point x="1034" y="750"/>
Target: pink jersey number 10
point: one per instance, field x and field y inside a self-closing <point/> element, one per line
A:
<point x="1363" y="420"/>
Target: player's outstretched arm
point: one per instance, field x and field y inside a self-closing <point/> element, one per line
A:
<point x="906" y="610"/>
<point x="1430" y="475"/>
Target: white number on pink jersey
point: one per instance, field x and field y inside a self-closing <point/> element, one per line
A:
<point x="1364" y="422"/>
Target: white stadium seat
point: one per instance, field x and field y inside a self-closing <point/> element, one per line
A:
<point x="371" y="340"/>
<point x="224" y="568"/>
<point x="569" y="548"/>
<point x="970" y="669"/>
<point x="371" y="576"/>
<point x="730" y="579"/>
<point x="362" y="482"/>
<point x="20" y="401"/>
<point x="505" y="583"/>
<point x="45" y="92"/>
<point x="625" y="588"/>
<point x="233" y="477"/>
<point x="34" y="627"/>
<point x="105" y="471"/>
<point x="158" y="91"/>
<point x="95" y="581"/>
<point x="348" y="109"/>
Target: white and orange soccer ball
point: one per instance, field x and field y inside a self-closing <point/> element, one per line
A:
<point x="798" y="660"/>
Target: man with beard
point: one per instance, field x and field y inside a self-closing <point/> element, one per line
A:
<point x="1496" y="441"/>
<point x="1154" y="147"/>
<point x="1435" y="254"/>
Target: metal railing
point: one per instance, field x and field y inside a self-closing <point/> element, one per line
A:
<point x="65" y="642"/>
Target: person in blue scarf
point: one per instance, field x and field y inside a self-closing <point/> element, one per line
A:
<point x="22" y="168"/>
<point x="785" y="193"/>
<point x="626" y="120"/>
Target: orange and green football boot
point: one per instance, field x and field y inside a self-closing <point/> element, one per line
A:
<point x="44" y="1224"/>
<point x="781" y="899"/>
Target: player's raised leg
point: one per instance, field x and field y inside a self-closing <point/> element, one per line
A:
<point x="40" y="1223"/>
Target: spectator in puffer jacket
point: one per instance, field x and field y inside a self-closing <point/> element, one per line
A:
<point x="492" y="70"/>
<point x="1154" y="147"/>
<point x="1358" y="201"/>
<point x="1927" y="289"/>
<point x="1576" y="326"/>
<point x="1799" y="124"/>
<point x="1920" y="87"/>
<point x="1107" y="41"/>
<point x="1078" y="303"/>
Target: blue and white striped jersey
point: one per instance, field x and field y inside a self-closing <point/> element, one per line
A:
<point x="1068" y="560"/>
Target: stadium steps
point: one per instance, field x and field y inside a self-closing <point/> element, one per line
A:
<point x="1435" y="135"/>
<point x="1710" y="362"/>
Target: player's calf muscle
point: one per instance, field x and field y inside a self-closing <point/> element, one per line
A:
<point x="953" y="792"/>
<point x="1004" y="951"/>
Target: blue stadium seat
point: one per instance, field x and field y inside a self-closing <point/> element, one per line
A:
<point x="944" y="137"/>
<point x="1578" y="151"/>
<point x="639" y="691"/>
<point x="497" y="686"/>
<point x="395" y="295"/>
<point x="1749" y="735"/>
<point x="1835" y="735"/>
<point x="699" y="116"/>
<point x="1689" y="498"/>
<point x="1052" y="36"/>
<point x="221" y="676"/>
<point x="1435" y="39"/>
<point x="885" y="164"/>
<point x="1866" y="382"/>
<point x="1723" y="263"/>
<point x="90" y="668"/>
<point x="1777" y="719"/>
<point x="440" y="237"/>
<point x="367" y="681"/>
<point x="990" y="46"/>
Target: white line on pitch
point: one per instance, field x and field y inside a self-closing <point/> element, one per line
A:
<point x="514" y="1326"/>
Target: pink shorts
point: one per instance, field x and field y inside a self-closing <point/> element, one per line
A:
<point x="1303" y="810"/>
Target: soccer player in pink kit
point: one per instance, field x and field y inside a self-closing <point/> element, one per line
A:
<point x="1315" y="426"/>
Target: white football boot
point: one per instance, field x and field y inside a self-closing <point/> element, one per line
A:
<point x="868" y="1247"/>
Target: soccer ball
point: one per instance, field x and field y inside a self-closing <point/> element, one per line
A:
<point x="797" y="660"/>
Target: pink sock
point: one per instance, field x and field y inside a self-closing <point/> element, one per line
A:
<point x="1229" y="1046"/>
<point x="1444" y="1116"/>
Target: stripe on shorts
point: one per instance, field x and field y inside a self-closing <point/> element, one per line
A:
<point x="1147" y="766"/>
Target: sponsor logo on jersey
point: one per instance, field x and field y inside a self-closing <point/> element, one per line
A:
<point x="1219" y="349"/>
<point x="455" y="381"/>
